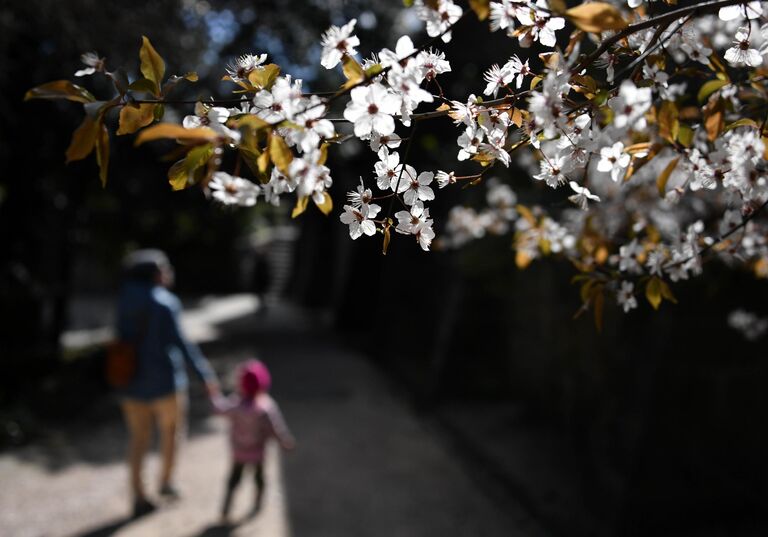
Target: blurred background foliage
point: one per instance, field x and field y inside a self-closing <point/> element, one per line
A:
<point x="663" y="413"/>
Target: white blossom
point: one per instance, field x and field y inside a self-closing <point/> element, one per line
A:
<point x="581" y="196"/>
<point x="360" y="220"/>
<point x="231" y="190"/>
<point x="338" y="42"/>
<point x="625" y="296"/>
<point x="371" y="109"/>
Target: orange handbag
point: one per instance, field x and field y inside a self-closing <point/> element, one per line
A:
<point x="121" y="363"/>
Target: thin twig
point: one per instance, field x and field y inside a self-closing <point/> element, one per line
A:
<point x="650" y="23"/>
<point x="720" y="239"/>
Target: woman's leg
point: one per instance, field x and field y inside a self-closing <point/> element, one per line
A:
<point x="234" y="479"/>
<point x="170" y="413"/>
<point x="138" y="417"/>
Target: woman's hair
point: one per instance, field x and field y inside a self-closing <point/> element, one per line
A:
<point x="144" y="265"/>
<point x="253" y="378"/>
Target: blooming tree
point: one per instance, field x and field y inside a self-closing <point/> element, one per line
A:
<point x="650" y="118"/>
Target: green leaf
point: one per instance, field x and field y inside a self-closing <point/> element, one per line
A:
<point x="159" y="112"/>
<point x="142" y="85"/>
<point x="83" y="140"/>
<point x="152" y="64"/>
<point x="60" y="89"/>
<point x="685" y="135"/>
<point x="198" y="156"/>
<point x="710" y="87"/>
<point x="373" y="70"/>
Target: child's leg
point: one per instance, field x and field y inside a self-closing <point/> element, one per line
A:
<point x="258" y="475"/>
<point x="234" y="479"/>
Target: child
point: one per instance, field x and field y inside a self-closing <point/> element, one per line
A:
<point x="254" y="418"/>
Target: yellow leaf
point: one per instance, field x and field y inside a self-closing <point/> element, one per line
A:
<point x="264" y="77"/>
<point x="387" y="238"/>
<point x="557" y="6"/>
<point x="132" y="118"/>
<point x="252" y="121"/>
<point x="522" y="259"/>
<point x="601" y="255"/>
<point x="666" y="292"/>
<point x="661" y="182"/>
<point x="263" y="161"/>
<point x="353" y="71"/>
<point x="173" y="130"/>
<point x="714" y="119"/>
<point x="60" y="89"/>
<point x="301" y="206"/>
<point x="653" y="292"/>
<point x="482" y="8"/>
<point x="761" y="268"/>
<point x="178" y="175"/>
<point x="323" y="153"/>
<point x="516" y="116"/>
<point x="596" y="17"/>
<point x="152" y="65"/>
<point x="526" y="213"/>
<point x="743" y="122"/>
<point x="280" y="153"/>
<point x="83" y="140"/>
<point x="443" y="107"/>
<point x="102" y="152"/>
<point x="668" y="122"/>
<point x="327" y="204"/>
<point x="640" y="148"/>
<point x="182" y="173"/>
<point x="585" y="292"/>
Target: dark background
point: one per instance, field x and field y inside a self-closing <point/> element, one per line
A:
<point x="659" y="423"/>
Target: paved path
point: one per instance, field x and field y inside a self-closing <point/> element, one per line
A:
<point x="365" y="465"/>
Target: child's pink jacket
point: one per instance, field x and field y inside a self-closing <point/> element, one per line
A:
<point x="252" y="423"/>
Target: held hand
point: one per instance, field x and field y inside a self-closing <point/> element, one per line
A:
<point x="213" y="389"/>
